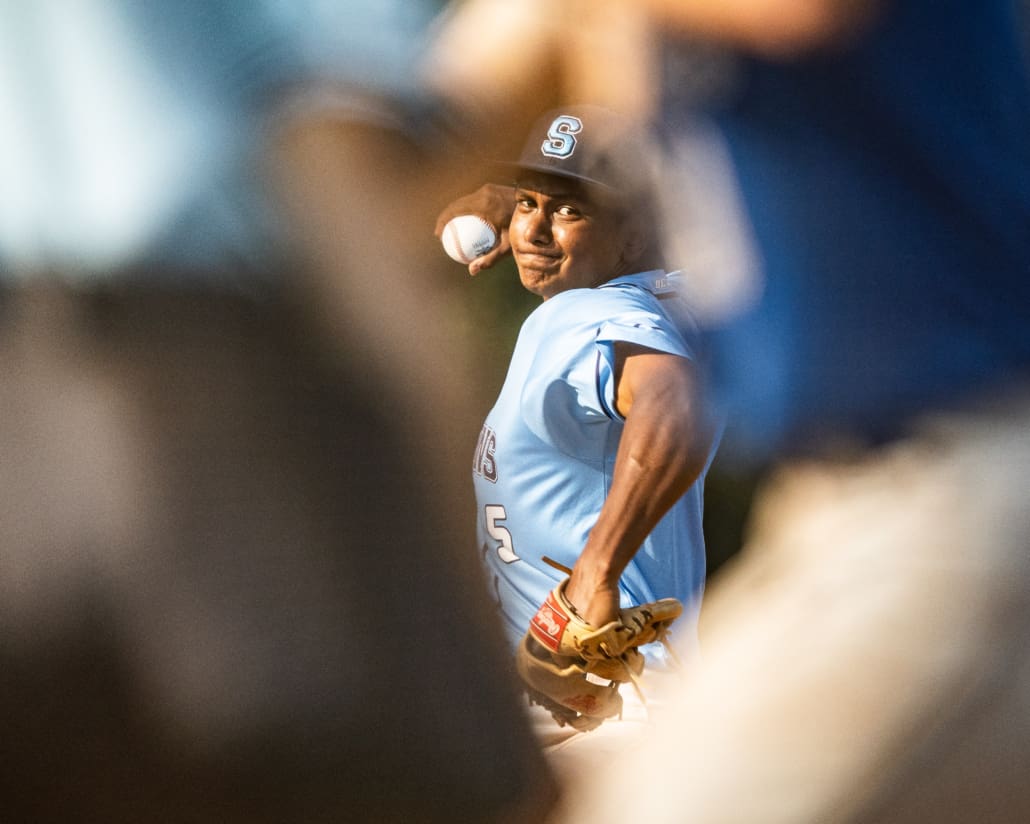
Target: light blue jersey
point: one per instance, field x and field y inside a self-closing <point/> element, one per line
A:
<point x="546" y="454"/>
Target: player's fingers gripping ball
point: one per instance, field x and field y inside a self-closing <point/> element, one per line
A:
<point x="573" y="669"/>
<point x="467" y="237"/>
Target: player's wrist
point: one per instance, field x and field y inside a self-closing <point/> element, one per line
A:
<point x="596" y="602"/>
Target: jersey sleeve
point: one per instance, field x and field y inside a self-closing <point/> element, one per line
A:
<point x="647" y="328"/>
<point x="567" y="392"/>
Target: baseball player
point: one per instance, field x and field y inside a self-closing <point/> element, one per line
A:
<point x="593" y="457"/>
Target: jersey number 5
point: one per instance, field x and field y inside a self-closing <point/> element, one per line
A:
<point x="494" y="515"/>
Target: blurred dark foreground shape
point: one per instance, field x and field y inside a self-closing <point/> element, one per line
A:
<point x="224" y="592"/>
<point x="231" y="549"/>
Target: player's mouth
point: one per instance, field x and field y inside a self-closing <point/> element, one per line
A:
<point x="536" y="260"/>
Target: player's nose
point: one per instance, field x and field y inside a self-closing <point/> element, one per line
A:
<point x="538" y="228"/>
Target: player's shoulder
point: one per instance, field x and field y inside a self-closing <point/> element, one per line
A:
<point x="661" y="295"/>
<point x="650" y="298"/>
<point x="628" y="292"/>
<point x="642" y="289"/>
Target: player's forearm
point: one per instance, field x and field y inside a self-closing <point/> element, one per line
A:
<point x="657" y="462"/>
<point x="663" y="451"/>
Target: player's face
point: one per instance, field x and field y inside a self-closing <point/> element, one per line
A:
<point x="565" y="237"/>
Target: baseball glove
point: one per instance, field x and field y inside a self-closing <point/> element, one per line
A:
<point x="574" y="669"/>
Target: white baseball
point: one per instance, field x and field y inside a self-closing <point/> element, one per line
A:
<point x="466" y="237"/>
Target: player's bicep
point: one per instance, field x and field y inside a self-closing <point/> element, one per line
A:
<point x="660" y="378"/>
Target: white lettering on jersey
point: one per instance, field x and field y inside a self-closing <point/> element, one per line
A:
<point x="483" y="462"/>
<point x="495" y="513"/>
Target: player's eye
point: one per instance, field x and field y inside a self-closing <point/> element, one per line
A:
<point x="524" y="201"/>
<point x="568" y="211"/>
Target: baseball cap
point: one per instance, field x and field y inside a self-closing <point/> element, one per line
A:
<point x="591" y="144"/>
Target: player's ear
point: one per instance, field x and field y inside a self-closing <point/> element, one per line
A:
<point x="636" y="239"/>
<point x="636" y="244"/>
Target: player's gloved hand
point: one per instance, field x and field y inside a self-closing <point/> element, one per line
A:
<point x="560" y="650"/>
<point x="495" y="204"/>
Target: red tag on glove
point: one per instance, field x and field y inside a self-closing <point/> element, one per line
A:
<point x="549" y="623"/>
